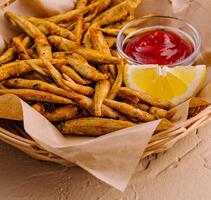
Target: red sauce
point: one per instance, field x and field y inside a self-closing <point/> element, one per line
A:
<point x="158" y="47"/>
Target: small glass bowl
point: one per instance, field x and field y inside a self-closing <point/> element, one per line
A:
<point x="179" y="26"/>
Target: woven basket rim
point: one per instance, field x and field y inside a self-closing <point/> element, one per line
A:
<point x="158" y="143"/>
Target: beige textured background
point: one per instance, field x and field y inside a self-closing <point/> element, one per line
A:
<point x="182" y="173"/>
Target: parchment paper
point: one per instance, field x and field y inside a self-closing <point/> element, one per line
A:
<point x="114" y="157"/>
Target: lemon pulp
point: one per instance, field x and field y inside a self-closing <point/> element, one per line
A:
<point x="173" y="84"/>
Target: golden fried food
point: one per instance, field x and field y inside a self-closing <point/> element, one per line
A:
<point x="114" y="14"/>
<point x="81" y="3"/>
<point x="159" y="113"/>
<point x="86" y="90"/>
<point x="36" y="85"/>
<point x="99" y="43"/>
<point x="111" y="41"/>
<point x="102" y="89"/>
<point x="36" y="95"/>
<point x="20" y="49"/>
<point x="42" y="45"/>
<point x="70" y="15"/>
<point x="55" y="74"/>
<point x="13" y="69"/>
<point x="90" y="54"/>
<point x="82" y="67"/>
<point x="118" y="81"/>
<point x="62" y="43"/>
<point x="92" y="126"/>
<point x="49" y="28"/>
<point x="11" y="53"/>
<point x="78" y="31"/>
<point x="59" y="114"/>
<point x="129" y="110"/>
<point x="67" y="66"/>
<point x="37" y="69"/>
<point x="8" y="56"/>
<point x="146" y="98"/>
<point x="73" y="75"/>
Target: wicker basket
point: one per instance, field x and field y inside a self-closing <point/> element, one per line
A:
<point x="12" y="133"/>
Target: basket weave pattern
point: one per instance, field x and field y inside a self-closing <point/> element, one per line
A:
<point x="12" y="133"/>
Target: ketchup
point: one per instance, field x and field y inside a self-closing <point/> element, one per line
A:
<point x="158" y="47"/>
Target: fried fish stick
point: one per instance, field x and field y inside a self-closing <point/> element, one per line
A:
<point x="32" y="53"/>
<point x="86" y="90"/>
<point x="92" y="126"/>
<point x="10" y="54"/>
<point x="91" y="16"/>
<point x="81" y="4"/>
<point x="115" y="2"/>
<point x="140" y="106"/>
<point x="36" y="95"/>
<point x="96" y="57"/>
<point x="146" y="98"/>
<point x="78" y="30"/>
<point x="118" y="25"/>
<point x="27" y="42"/>
<point x="38" y="69"/>
<point x="37" y="85"/>
<point x="115" y="31"/>
<point x="62" y="54"/>
<point x="102" y="89"/>
<point x="128" y="97"/>
<point x="41" y="42"/>
<point x="17" y="68"/>
<point x="112" y="15"/>
<point x="62" y="43"/>
<point x="87" y="103"/>
<point x="86" y="26"/>
<point x="118" y="81"/>
<point x="103" y="4"/>
<point x="20" y="49"/>
<point x="68" y="16"/>
<point x="99" y="43"/>
<point x="73" y="75"/>
<point x="110" y="31"/>
<point x="84" y="69"/>
<point x="35" y="76"/>
<point x="111" y="41"/>
<point x="159" y="113"/>
<point x="49" y="28"/>
<point x="55" y="74"/>
<point x="129" y="110"/>
<point x="143" y="106"/>
<point x="59" y="114"/>
<point x="13" y="69"/>
<point x="82" y="100"/>
<point x="90" y="54"/>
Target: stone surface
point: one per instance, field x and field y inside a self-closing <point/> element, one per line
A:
<point x="182" y="173"/>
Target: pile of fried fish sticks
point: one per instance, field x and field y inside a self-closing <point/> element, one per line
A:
<point x="67" y="68"/>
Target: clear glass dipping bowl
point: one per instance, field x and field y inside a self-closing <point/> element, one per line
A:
<point x="179" y="26"/>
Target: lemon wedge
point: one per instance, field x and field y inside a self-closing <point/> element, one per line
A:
<point x="175" y="84"/>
